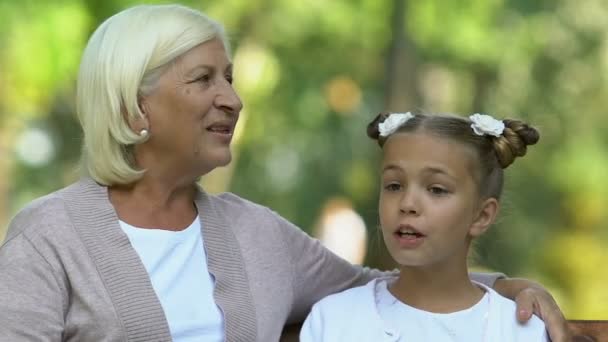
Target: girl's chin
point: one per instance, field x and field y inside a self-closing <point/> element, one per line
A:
<point x="409" y="261"/>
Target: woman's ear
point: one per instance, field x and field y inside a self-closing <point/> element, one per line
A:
<point x="488" y="210"/>
<point x="140" y="121"/>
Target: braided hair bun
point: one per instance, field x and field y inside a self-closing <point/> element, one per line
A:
<point x="514" y="141"/>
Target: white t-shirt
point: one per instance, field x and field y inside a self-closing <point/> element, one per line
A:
<point x="467" y="325"/>
<point x="370" y="314"/>
<point x="177" y="266"/>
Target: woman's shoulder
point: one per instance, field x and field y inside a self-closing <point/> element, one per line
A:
<point x="236" y="206"/>
<point x="45" y="213"/>
<point x="234" y="201"/>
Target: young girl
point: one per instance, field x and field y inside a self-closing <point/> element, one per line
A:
<point x="442" y="178"/>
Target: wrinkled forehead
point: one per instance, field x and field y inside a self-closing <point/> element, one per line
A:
<point x="208" y="56"/>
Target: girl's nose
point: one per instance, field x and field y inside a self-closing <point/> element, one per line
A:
<point x="409" y="203"/>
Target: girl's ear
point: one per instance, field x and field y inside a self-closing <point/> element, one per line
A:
<point x="485" y="217"/>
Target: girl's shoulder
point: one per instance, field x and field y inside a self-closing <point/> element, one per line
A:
<point x="363" y="290"/>
<point x="507" y="306"/>
<point x="504" y="312"/>
<point x="356" y="298"/>
<point x="350" y="315"/>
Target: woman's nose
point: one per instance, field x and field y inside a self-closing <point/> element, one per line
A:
<point x="228" y="100"/>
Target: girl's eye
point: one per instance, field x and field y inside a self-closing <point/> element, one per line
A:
<point x="229" y="78"/>
<point x="437" y="190"/>
<point x="393" y="187"/>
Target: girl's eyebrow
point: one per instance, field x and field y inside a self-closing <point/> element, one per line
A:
<point x="433" y="170"/>
<point x="390" y="167"/>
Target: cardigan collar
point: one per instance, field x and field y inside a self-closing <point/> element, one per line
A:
<point x="127" y="281"/>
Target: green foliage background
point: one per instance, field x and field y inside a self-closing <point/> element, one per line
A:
<point x="313" y="73"/>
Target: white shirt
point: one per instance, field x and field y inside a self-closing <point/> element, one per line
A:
<point x="359" y="314"/>
<point x="177" y="266"/>
<point x="466" y="325"/>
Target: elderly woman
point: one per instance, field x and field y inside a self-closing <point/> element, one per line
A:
<point x="136" y="251"/>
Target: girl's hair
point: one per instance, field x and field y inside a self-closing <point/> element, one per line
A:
<point x="493" y="153"/>
<point x="122" y="62"/>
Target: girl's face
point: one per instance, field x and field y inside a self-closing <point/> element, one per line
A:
<point x="429" y="203"/>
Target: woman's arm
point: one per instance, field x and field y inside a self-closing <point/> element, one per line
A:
<point x="316" y="271"/>
<point x="31" y="306"/>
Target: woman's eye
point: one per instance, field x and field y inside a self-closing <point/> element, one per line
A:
<point x="229" y="78"/>
<point x="204" y="79"/>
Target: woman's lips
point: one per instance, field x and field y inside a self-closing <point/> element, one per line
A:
<point x="222" y="131"/>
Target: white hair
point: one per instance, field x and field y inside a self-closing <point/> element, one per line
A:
<point x="123" y="61"/>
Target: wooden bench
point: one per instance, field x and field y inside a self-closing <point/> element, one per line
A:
<point x="582" y="331"/>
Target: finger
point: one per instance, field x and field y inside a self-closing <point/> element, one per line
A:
<point x="545" y="307"/>
<point x="558" y="333"/>
<point x="525" y="306"/>
<point x="556" y="324"/>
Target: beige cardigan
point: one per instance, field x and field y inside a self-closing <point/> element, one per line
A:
<point x="69" y="273"/>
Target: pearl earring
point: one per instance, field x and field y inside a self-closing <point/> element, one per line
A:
<point x="144" y="133"/>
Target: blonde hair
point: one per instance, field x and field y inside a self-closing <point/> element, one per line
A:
<point x="123" y="61"/>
